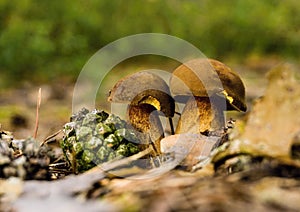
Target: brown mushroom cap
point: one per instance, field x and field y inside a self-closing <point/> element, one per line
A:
<point x="144" y="88"/>
<point x="188" y="80"/>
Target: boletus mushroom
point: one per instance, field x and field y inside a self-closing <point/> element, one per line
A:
<point x="146" y="93"/>
<point x="208" y="88"/>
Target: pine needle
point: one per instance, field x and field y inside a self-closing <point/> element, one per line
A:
<point x="38" y="105"/>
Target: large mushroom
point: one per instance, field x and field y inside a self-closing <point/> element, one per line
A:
<point x="208" y="88"/>
<point x="146" y="94"/>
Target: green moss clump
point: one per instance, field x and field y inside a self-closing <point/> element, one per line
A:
<point x="95" y="137"/>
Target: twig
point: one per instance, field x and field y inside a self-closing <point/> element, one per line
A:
<point x="50" y="137"/>
<point x="177" y="113"/>
<point x="38" y="104"/>
<point x="171" y="126"/>
<point x="121" y="162"/>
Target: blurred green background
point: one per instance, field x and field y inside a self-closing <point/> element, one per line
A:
<point x="46" y="44"/>
<point x="43" y="40"/>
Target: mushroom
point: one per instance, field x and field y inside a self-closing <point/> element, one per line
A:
<point x="146" y="94"/>
<point x="208" y="88"/>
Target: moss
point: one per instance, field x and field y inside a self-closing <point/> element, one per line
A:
<point x="95" y="137"/>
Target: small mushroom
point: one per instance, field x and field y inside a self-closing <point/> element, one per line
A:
<point x="207" y="87"/>
<point x="146" y="94"/>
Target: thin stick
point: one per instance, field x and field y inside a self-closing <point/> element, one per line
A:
<point x="50" y="137"/>
<point x="121" y="162"/>
<point x="38" y="104"/>
<point x="171" y="126"/>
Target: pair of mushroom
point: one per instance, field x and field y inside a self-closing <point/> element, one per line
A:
<point x="206" y="86"/>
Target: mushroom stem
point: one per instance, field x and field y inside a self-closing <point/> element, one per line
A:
<point x="200" y="115"/>
<point x="144" y="118"/>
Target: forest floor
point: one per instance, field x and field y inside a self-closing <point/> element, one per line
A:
<point x="251" y="173"/>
